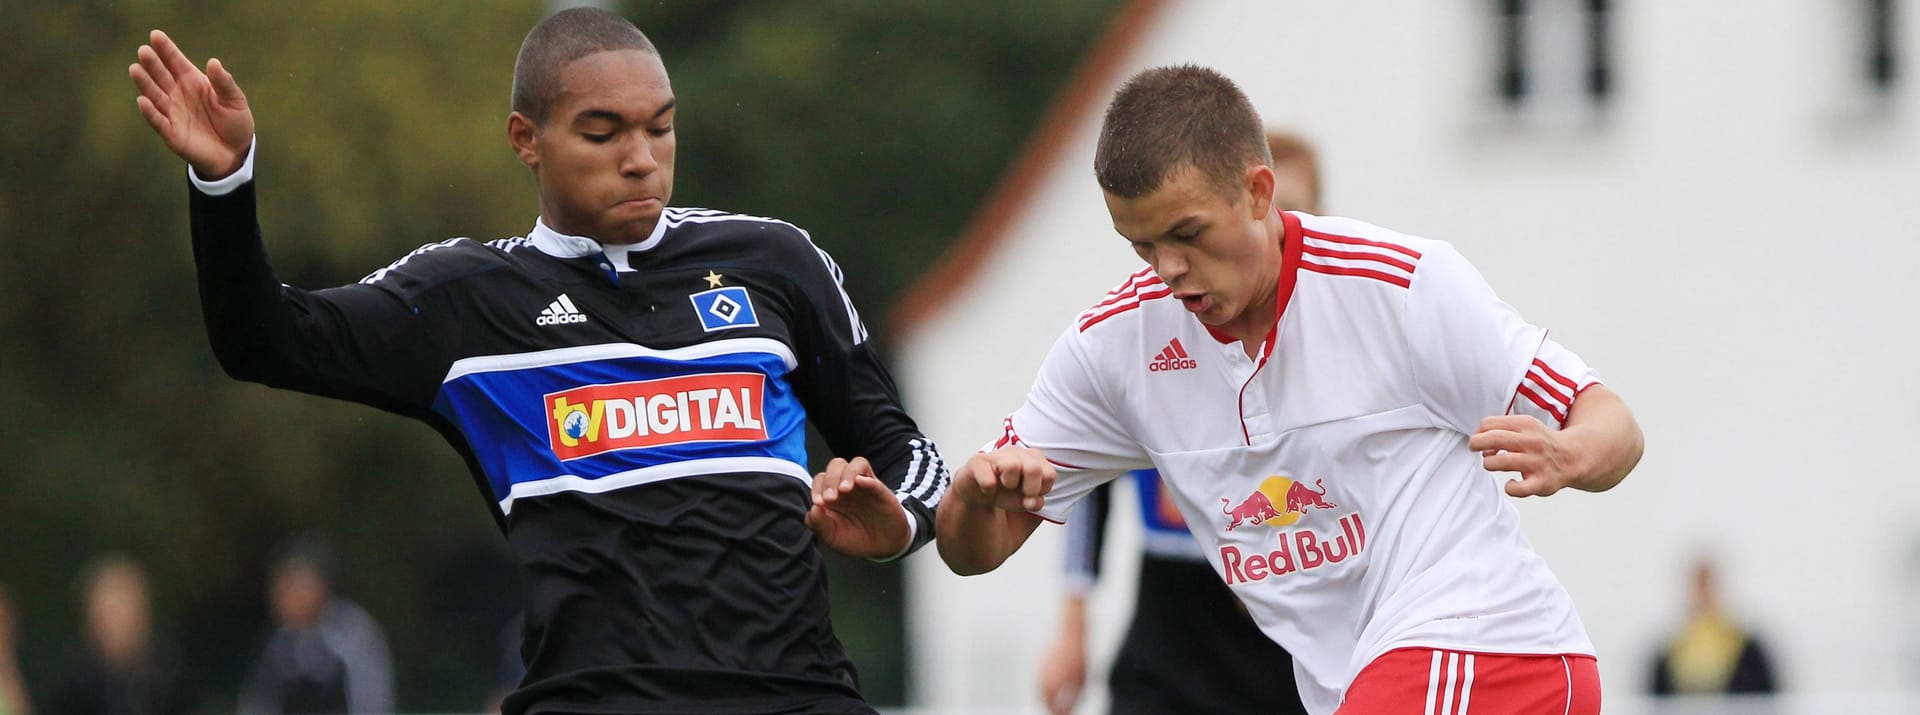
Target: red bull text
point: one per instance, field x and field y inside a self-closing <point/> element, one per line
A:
<point x="719" y="407"/>
<point x="1295" y="550"/>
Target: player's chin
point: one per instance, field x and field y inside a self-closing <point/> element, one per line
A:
<point x="633" y="229"/>
<point x="1214" y="315"/>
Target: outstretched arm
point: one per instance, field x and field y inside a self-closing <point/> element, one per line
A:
<point x="360" y="342"/>
<point x="988" y="514"/>
<point x="1596" y="448"/>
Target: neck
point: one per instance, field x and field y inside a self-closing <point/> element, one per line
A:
<point x="1255" y="321"/>
<point x="563" y="228"/>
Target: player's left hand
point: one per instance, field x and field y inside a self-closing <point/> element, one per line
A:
<point x="1521" y="443"/>
<point x="855" y="513"/>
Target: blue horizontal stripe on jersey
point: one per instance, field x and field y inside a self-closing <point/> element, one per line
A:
<point x="508" y="416"/>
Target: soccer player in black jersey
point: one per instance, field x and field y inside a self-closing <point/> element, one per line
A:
<point x="628" y="384"/>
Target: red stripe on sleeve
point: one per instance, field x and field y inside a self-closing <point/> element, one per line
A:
<point x="1362" y="272"/>
<point x="1122" y="293"/>
<point x="1351" y="241"/>
<point x="1542" y="382"/>
<point x="1095" y="320"/>
<point x="1007" y="435"/>
<point x="1557" y="377"/>
<point x="1558" y="416"/>
<point x="1358" y="256"/>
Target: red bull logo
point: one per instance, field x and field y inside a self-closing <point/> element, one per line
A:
<point x="1295" y="551"/>
<point x="720" y="407"/>
<point x="1264" y="507"/>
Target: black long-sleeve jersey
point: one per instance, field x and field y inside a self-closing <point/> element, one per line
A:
<point x="638" y="431"/>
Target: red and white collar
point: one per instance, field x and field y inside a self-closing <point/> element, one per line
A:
<point x="1290" y="243"/>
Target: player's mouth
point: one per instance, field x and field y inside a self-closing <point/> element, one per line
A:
<point x="644" y="203"/>
<point x="1195" y="302"/>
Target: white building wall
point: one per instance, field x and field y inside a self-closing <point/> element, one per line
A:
<point x="1734" y="247"/>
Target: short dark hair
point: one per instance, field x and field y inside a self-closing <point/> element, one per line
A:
<point x="1167" y="117"/>
<point x="557" y="41"/>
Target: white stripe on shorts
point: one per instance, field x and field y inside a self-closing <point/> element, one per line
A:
<point x="1433" y="682"/>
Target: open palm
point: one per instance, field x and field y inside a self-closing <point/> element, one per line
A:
<point x="855" y="513"/>
<point x="202" y="116"/>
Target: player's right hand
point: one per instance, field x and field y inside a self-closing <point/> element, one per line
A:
<point x="1009" y="478"/>
<point x="202" y="116"/>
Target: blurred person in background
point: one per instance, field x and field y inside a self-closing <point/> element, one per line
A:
<point x="13" y="690"/>
<point x="630" y="384"/>
<point x="326" y="654"/>
<point x="119" y="669"/>
<point x="1711" y="653"/>
<point x="1190" y="647"/>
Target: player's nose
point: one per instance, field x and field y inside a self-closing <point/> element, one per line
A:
<point x="638" y="159"/>
<point x="1170" y="265"/>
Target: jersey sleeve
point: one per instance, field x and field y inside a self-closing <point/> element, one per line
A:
<point x="1086" y="538"/>
<point x="360" y="342"/>
<point x="852" y="400"/>
<point x="1071" y="420"/>
<point x="1554" y="379"/>
<point x="1474" y="356"/>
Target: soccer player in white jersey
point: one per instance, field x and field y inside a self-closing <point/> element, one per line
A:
<point x="1340" y="398"/>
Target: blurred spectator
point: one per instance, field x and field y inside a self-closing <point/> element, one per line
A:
<point x="1711" y="654"/>
<point x="119" y="669"/>
<point x="326" y="655"/>
<point x="13" y="691"/>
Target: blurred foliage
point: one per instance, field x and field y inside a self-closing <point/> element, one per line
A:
<point x="877" y="125"/>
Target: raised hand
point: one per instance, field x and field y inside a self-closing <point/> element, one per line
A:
<point x="1009" y="479"/>
<point x="855" y="513"/>
<point x="202" y="116"/>
<point x="1520" y="443"/>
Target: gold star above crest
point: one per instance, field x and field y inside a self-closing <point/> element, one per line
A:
<point x="713" y="279"/>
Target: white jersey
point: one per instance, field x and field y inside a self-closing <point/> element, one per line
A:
<point x="1328" y="478"/>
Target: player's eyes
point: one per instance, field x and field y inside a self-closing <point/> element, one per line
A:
<point x="598" y="138"/>
<point x="661" y="131"/>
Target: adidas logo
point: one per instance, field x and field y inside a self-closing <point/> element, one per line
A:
<point x="1172" y="357"/>
<point x="560" y="312"/>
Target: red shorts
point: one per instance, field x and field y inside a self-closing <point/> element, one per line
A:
<point x="1424" y="681"/>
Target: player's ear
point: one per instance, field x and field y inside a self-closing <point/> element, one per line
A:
<point x="1259" y="186"/>
<point x="524" y="136"/>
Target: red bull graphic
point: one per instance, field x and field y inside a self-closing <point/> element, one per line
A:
<point x="1263" y="507"/>
<point x="716" y="407"/>
<point x="1295" y="551"/>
